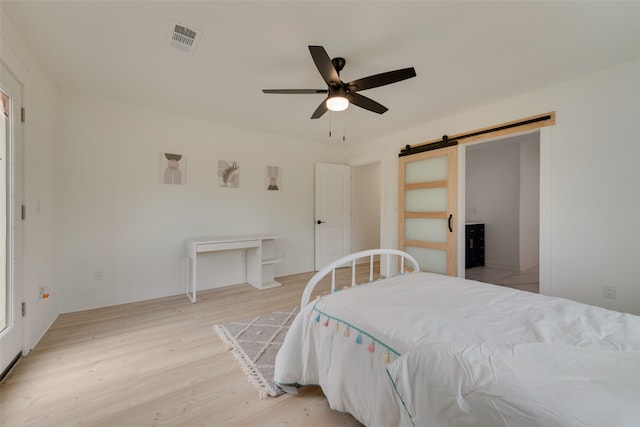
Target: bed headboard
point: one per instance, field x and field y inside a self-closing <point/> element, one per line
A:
<point x="352" y="259"/>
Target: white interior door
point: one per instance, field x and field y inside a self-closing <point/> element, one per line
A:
<point x="333" y="213"/>
<point x="10" y="288"/>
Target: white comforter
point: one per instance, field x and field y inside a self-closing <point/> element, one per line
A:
<point x="426" y="349"/>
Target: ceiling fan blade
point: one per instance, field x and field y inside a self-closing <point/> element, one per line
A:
<point x="381" y="79"/>
<point x="322" y="108"/>
<point x="366" y="103"/>
<point x="295" y="91"/>
<point x="324" y="64"/>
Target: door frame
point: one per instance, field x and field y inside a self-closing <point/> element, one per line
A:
<point x="16" y="332"/>
<point x="545" y="250"/>
<point x="462" y="169"/>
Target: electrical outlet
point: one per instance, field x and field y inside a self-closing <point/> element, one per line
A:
<point x="610" y="291"/>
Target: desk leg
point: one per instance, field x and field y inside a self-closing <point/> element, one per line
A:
<point x="254" y="267"/>
<point x="190" y="280"/>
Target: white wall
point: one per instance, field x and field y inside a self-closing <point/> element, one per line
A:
<point x="365" y="202"/>
<point x="98" y="160"/>
<point x="40" y="137"/>
<point x="115" y="215"/>
<point x="387" y="159"/>
<point x="589" y="183"/>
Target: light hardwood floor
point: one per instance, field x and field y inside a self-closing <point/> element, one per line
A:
<point x="524" y="280"/>
<point x="156" y="363"/>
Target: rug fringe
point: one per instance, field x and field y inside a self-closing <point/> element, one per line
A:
<point x="253" y="375"/>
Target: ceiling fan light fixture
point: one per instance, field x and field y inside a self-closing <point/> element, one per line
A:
<point x="341" y="94"/>
<point x="337" y="103"/>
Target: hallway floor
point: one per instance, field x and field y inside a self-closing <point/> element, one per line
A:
<point x="525" y="280"/>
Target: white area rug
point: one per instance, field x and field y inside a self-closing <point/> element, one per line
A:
<point x="255" y="343"/>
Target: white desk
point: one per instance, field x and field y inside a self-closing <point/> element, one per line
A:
<point x="261" y="257"/>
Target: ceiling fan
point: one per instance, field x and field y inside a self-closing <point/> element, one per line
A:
<point x="341" y="94"/>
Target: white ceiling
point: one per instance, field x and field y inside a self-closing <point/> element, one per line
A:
<point x="466" y="54"/>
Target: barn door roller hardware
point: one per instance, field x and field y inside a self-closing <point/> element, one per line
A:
<point x="530" y="123"/>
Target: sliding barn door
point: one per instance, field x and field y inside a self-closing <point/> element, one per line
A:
<point x="427" y="208"/>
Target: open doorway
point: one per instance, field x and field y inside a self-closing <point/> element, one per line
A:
<point x="365" y="207"/>
<point x="502" y="211"/>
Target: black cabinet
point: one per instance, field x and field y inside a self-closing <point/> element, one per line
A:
<point x="474" y="253"/>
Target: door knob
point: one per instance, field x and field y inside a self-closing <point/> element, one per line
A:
<point x="320" y="222"/>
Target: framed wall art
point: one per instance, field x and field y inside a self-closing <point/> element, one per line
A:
<point x="173" y="169"/>
<point x="228" y="173"/>
<point x="273" y="178"/>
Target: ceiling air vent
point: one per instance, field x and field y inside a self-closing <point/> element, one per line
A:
<point x="183" y="37"/>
